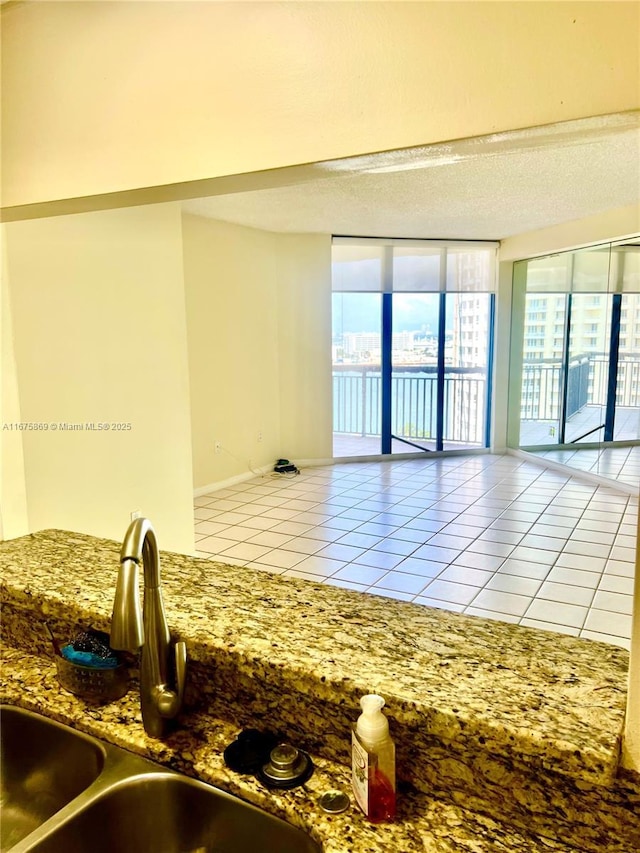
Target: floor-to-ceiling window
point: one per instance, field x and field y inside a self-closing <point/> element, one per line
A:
<point x="412" y="345"/>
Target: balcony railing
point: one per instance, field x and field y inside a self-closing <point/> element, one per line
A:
<point x="356" y="403"/>
<point x="587" y="386"/>
<point x="357" y="397"/>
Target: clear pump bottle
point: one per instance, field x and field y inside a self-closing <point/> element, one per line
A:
<point x="373" y="762"/>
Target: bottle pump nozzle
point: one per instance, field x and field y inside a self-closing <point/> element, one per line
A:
<point x="372" y="726"/>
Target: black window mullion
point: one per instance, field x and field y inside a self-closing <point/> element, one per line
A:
<point x="442" y="322"/>
<point x="614" y="353"/>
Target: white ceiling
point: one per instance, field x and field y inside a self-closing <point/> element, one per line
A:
<point x="488" y="187"/>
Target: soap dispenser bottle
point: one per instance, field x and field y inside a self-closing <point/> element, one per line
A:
<point x="373" y="762"/>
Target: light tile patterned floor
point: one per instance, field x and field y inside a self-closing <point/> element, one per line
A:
<point x="620" y="464"/>
<point x="490" y="535"/>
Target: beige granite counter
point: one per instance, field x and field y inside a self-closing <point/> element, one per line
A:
<point x="496" y="726"/>
<point x="423" y="824"/>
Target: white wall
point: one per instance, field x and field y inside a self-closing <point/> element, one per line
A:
<point x="100" y="336"/>
<point x="13" y="495"/>
<point x="103" y="96"/>
<point x="304" y="337"/>
<point x="501" y="357"/>
<point x="231" y="298"/>
<point x="259" y="332"/>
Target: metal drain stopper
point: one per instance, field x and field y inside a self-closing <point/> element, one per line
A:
<point x="286" y="768"/>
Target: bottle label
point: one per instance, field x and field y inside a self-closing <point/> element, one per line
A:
<point x="360" y="773"/>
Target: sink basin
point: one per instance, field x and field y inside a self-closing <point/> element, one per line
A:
<point x="169" y="813"/>
<point x="65" y="791"/>
<point x="44" y="766"/>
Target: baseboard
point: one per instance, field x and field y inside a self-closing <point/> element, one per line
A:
<point x="267" y="470"/>
<point x="585" y="476"/>
<point x="231" y="481"/>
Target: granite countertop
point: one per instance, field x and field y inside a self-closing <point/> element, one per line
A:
<point x="511" y="699"/>
<point x="423" y="824"/>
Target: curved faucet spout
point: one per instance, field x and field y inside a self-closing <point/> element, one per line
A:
<point x="133" y="628"/>
<point x="140" y="544"/>
<point x="127" y="627"/>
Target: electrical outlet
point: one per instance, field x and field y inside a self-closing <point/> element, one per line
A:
<point x="135" y="514"/>
<point x="217" y="446"/>
<point x="259" y="435"/>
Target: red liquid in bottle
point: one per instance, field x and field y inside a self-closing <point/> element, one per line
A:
<point x="373" y="762"/>
<point x="382" y="798"/>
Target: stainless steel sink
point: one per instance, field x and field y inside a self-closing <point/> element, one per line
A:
<point x="44" y="766"/>
<point x="167" y="813"/>
<point x="65" y="791"/>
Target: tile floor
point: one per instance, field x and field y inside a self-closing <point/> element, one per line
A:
<point x="621" y="464"/>
<point x="493" y="536"/>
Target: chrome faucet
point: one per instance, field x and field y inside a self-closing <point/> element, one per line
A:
<point x="133" y="628"/>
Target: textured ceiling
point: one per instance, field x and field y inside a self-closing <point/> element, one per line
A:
<point x="489" y="187"/>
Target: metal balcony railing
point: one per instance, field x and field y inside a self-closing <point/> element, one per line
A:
<point x="587" y="386"/>
<point x="357" y="393"/>
<point x="356" y="403"/>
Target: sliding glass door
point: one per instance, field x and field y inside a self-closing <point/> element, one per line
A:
<point x="412" y="361"/>
<point x="414" y="371"/>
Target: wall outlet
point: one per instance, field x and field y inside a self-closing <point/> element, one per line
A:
<point x="259" y="435"/>
<point x="135" y="514"/>
<point x="217" y="446"/>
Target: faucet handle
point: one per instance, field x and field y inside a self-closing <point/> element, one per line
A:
<point x="167" y="701"/>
